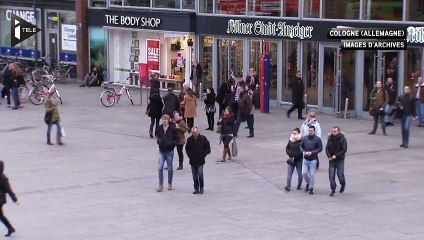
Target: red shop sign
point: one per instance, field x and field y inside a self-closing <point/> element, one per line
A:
<point x="153" y="51"/>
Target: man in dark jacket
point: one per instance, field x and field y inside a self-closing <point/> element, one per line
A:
<point x="197" y="148"/>
<point x="336" y="149"/>
<point x="245" y="106"/>
<point x="167" y="139"/>
<point x="171" y="103"/>
<point x="392" y="93"/>
<point x="7" y="81"/>
<point x="221" y="98"/>
<point x="407" y="107"/>
<point x="155" y="84"/>
<point x="298" y="90"/>
<point x="196" y="77"/>
<point x="5" y="189"/>
<point x="379" y="98"/>
<point x="311" y="145"/>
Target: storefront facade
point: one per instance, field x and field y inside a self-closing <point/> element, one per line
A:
<point x="230" y="38"/>
<point x="58" y="30"/>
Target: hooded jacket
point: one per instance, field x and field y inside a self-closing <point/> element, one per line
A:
<point x="336" y="145"/>
<point x="293" y="147"/>
<point x="5" y="187"/>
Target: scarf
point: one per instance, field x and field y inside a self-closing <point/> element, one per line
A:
<point x="295" y="138"/>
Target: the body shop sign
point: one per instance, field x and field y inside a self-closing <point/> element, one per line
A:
<point x="69" y="37"/>
<point x="153" y="52"/>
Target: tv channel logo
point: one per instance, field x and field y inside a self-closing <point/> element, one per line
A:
<point x="21" y="30"/>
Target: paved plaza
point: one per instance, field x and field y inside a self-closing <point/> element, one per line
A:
<point x="100" y="185"/>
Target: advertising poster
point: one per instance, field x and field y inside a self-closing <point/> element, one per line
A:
<point x="69" y="37"/>
<point x="152" y="52"/>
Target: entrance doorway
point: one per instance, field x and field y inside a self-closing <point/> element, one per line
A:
<point x="230" y="59"/>
<point x="338" y="80"/>
<point x="379" y="66"/>
<point x="53" y="47"/>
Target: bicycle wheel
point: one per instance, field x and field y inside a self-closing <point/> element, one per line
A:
<point x="107" y="98"/>
<point x="23" y="94"/>
<point x="37" y="94"/>
<point x="129" y="96"/>
<point x="58" y="95"/>
<point x="59" y="74"/>
<point x="37" y="74"/>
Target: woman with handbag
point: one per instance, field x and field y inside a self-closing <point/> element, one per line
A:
<point x="154" y="111"/>
<point x="210" y="107"/>
<point x="228" y="125"/>
<point x="295" y="159"/>
<point x="52" y="117"/>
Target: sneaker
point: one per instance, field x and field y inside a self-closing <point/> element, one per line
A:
<point x="196" y="192"/>
<point x="307" y="188"/>
<point x="8" y="105"/>
<point x="402" y="145"/>
<point x="160" y="188"/>
<point x="299" y="188"/>
<point x="151" y="135"/>
<point x="287" y="189"/>
<point x="250" y="136"/>
<point x="180" y="167"/>
<point x="371" y="133"/>
<point x="15" y="108"/>
<point x="311" y="191"/>
<point x="10" y="232"/>
<point x="342" y="188"/>
<point x="332" y="193"/>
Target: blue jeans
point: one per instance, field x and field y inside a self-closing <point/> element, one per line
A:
<point x="15" y="95"/>
<point x="168" y="157"/>
<point x="405" y="126"/>
<point x="336" y="166"/>
<point x="387" y="110"/>
<point x="197" y="172"/>
<point x="308" y="171"/>
<point x="290" y="170"/>
<point x="420" y="112"/>
<point x="58" y="133"/>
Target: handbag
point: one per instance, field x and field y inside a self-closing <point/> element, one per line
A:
<point x="210" y="109"/>
<point x="234" y="148"/>
<point x="147" y="110"/>
<point x="62" y="132"/>
<point x="48" y="117"/>
<point x="218" y="129"/>
<point x="290" y="160"/>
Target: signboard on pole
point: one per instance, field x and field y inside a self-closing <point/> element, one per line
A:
<point x="69" y="37"/>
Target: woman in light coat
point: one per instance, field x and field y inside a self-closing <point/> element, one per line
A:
<point x="190" y="106"/>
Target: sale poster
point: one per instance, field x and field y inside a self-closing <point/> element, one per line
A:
<point x="153" y="52"/>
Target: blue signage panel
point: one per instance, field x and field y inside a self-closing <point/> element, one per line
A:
<point x="67" y="57"/>
<point x="20" y="52"/>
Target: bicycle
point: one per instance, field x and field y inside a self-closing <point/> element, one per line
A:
<point x="38" y="94"/>
<point x="109" y="96"/>
<point x="61" y="74"/>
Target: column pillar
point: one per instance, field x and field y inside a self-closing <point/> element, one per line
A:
<point x="81" y="7"/>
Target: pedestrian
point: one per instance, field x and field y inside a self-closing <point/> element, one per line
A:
<point x="252" y="79"/>
<point x="295" y="159"/>
<point x="392" y="93"/>
<point x="154" y="111"/>
<point x="190" y="105"/>
<point x="5" y="188"/>
<point x="52" y="117"/>
<point x="7" y="81"/>
<point x="245" y="106"/>
<point x="17" y="80"/>
<point x="406" y="106"/>
<point x="379" y="98"/>
<point x="196" y="77"/>
<point x="228" y="127"/>
<point x="221" y="98"/>
<point x="197" y="148"/>
<point x="94" y="78"/>
<point x="171" y="103"/>
<point x="304" y="128"/>
<point x="154" y="83"/>
<point x="181" y="98"/>
<point x="298" y="90"/>
<point x="336" y="150"/>
<point x="237" y="88"/>
<point x="311" y="145"/>
<point x="181" y="128"/>
<point x="419" y="96"/>
<point x="210" y="108"/>
<point x="167" y="139"/>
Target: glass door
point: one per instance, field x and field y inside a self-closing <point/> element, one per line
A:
<point x="230" y="59"/>
<point x="53" y="46"/>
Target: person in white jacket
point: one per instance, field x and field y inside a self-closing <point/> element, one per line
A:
<point x="311" y="121"/>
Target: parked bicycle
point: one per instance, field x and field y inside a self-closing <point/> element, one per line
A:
<point x="38" y="94"/>
<point x="109" y="96"/>
<point x="62" y="72"/>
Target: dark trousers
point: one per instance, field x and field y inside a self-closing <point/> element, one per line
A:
<point x="5" y="92"/>
<point x="4" y="219"/>
<point x="211" y="119"/>
<point x="180" y="154"/>
<point x="197" y="172"/>
<point x="336" y="166"/>
<point x="15" y="94"/>
<point x="250" y="118"/>
<point x="290" y="170"/>
<point x="379" y="116"/>
<point x="190" y="124"/>
<point x="154" y="121"/>
<point x="235" y="107"/>
<point x="299" y="109"/>
<point x="221" y="109"/>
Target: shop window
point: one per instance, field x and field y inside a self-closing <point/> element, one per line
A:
<point x="98" y="47"/>
<point x="415" y="10"/>
<point x="273" y="8"/>
<point x="167" y="4"/>
<point x="205" y="59"/>
<point x="97" y="3"/>
<point x="231" y="7"/>
<point x="311" y="8"/>
<point x="341" y="9"/>
<point x="67" y="18"/>
<point x="135" y="3"/>
<point x="206" y="6"/>
<point x="290" y="66"/>
<point x="390" y="10"/>
<point x="188" y="4"/>
<point x="413" y="63"/>
<point x="52" y="20"/>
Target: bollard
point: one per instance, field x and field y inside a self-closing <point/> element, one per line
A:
<point x="346" y="105"/>
<point x="305" y="100"/>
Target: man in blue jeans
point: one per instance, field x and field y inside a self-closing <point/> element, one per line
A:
<point x="419" y="96"/>
<point x="407" y="110"/>
<point x="336" y="150"/>
<point x="167" y="139"/>
<point x="311" y="145"/>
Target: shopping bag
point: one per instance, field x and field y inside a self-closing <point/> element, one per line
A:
<point x="234" y="148"/>
<point x="62" y="132"/>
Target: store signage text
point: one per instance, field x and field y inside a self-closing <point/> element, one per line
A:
<point x="415" y="35"/>
<point x="130" y="21"/>
<point x="276" y="29"/>
<point x="69" y="37"/>
<point x="24" y="14"/>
